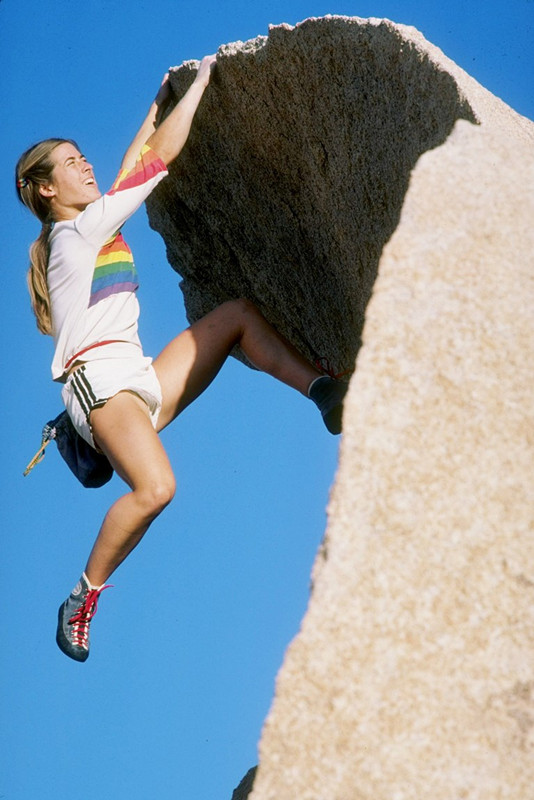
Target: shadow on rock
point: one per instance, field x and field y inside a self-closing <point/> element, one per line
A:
<point x="295" y="174"/>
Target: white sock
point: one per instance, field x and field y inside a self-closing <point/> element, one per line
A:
<point x="90" y="585"/>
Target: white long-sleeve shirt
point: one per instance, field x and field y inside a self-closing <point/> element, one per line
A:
<point x="92" y="279"/>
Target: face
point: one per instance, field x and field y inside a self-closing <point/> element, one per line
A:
<point x="73" y="184"/>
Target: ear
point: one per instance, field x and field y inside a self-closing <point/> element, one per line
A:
<point x="47" y="190"/>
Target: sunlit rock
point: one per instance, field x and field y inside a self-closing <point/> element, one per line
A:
<point x="377" y="204"/>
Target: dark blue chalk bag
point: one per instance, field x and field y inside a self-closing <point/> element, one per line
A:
<point x="90" y="467"/>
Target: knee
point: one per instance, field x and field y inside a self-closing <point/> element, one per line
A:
<point x="164" y="492"/>
<point x="157" y="495"/>
<point x="243" y="307"/>
<point x="247" y="316"/>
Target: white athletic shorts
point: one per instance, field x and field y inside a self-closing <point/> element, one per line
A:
<point x="92" y="384"/>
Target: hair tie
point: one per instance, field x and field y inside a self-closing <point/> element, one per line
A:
<point x="22" y="183"/>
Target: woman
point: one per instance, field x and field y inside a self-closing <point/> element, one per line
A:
<point x="82" y="282"/>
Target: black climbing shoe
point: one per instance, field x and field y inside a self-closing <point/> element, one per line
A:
<point x="328" y="396"/>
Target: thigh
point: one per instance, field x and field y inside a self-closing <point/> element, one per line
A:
<point x="192" y="360"/>
<point x="124" y="432"/>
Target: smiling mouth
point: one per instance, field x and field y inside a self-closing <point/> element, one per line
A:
<point x="89" y="182"/>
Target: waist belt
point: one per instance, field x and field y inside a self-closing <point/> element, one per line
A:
<point x="71" y="361"/>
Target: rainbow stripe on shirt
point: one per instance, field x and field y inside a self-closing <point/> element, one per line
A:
<point x="146" y="167"/>
<point x="114" y="270"/>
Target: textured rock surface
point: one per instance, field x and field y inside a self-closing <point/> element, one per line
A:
<point x="360" y="187"/>
<point x="296" y="171"/>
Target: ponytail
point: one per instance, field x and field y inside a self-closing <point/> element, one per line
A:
<point x="34" y="169"/>
<point x="36" y="278"/>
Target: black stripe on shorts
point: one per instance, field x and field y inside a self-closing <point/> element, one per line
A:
<point x="84" y="392"/>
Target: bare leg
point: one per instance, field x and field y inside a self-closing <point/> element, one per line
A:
<point x="192" y="360"/>
<point x="125" y="433"/>
<point x="185" y="368"/>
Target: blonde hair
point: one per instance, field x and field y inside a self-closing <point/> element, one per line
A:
<point x="34" y="169"/>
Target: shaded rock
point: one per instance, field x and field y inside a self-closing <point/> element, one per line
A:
<point x="376" y="201"/>
<point x="296" y="171"/>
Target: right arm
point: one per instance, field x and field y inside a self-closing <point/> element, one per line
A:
<point x="168" y="139"/>
<point x="143" y="167"/>
<point x="145" y="161"/>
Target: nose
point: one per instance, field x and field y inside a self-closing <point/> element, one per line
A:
<point x="86" y="166"/>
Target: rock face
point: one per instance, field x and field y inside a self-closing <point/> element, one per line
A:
<point x="377" y="204"/>
<point x="296" y="171"/>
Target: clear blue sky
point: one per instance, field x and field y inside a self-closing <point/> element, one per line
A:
<point x="186" y="648"/>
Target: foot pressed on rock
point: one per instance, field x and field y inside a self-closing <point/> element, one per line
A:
<point x="328" y="395"/>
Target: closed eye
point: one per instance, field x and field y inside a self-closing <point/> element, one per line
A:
<point x="71" y="160"/>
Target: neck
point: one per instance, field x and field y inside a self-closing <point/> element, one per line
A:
<point x="62" y="213"/>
